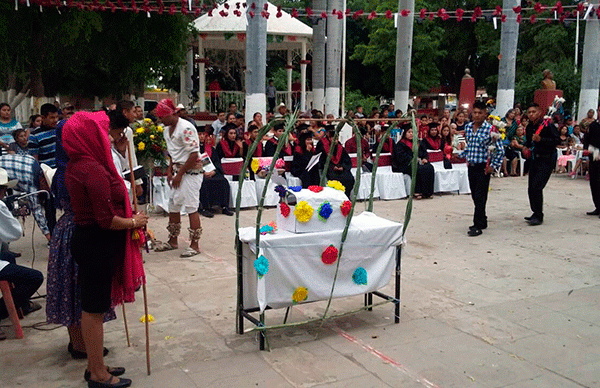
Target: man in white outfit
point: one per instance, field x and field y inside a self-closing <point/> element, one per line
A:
<point x="184" y="176"/>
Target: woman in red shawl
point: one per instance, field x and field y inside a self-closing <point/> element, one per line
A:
<point x="110" y="263"/>
<point x="402" y="162"/>
<point x="340" y="164"/>
<point x="230" y="146"/>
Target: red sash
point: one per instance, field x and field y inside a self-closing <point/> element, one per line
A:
<point x="287" y="149"/>
<point x="207" y="149"/>
<point x="337" y="156"/>
<point x="227" y="150"/>
<point x="258" y="151"/>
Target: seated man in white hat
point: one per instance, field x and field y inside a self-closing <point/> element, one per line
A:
<point x="25" y="280"/>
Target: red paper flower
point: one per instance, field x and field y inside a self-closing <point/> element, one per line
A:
<point x="315" y="189"/>
<point x="284" y="209"/>
<point x="405" y="12"/>
<point x="533" y="18"/>
<point x="294" y="13"/>
<point x="357" y="14"/>
<point x="423" y="13"/>
<point x="388" y="14"/>
<point x="459" y="14"/>
<point x="497" y="11"/>
<point x="539" y="8"/>
<point x="345" y="208"/>
<point x="519" y="17"/>
<point x="309" y="12"/>
<point x="503" y="18"/>
<point x="330" y="255"/>
<point x="517" y="9"/>
<point x="324" y="15"/>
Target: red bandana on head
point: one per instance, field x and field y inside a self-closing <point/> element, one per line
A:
<point x="165" y="107"/>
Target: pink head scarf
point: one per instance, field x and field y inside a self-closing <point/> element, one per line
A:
<point x="165" y="107"/>
<point x="85" y="136"/>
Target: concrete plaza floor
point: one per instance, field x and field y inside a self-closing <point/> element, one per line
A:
<point x="515" y="307"/>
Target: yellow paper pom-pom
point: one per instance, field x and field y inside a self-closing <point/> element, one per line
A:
<point x="300" y="294"/>
<point x="303" y="211"/>
<point x="150" y="318"/>
<point x="254" y="165"/>
<point x="336" y="185"/>
<point x="140" y="130"/>
<point x="141" y="146"/>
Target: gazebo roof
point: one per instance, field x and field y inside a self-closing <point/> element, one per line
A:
<point x="217" y="24"/>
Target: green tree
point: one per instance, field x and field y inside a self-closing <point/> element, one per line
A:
<point x="88" y="53"/>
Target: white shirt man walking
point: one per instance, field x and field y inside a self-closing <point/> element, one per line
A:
<point x="184" y="176"/>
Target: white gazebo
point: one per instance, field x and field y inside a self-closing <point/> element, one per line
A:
<point x="224" y="30"/>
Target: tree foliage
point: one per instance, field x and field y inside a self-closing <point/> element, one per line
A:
<point x="88" y="53"/>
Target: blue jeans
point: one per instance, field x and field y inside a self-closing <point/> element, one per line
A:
<point x="25" y="280"/>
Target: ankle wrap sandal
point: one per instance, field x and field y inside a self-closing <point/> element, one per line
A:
<point x="194" y="237"/>
<point x="174" y="230"/>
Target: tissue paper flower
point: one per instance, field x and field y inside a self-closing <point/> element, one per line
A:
<point x="279" y="189"/>
<point x="295" y="189"/>
<point x="254" y="165"/>
<point x="150" y="318"/>
<point x="336" y="185"/>
<point x="303" y="211"/>
<point x="261" y="265"/>
<point x="360" y="276"/>
<point x="280" y="163"/>
<point x="271" y="228"/>
<point x="346" y="207"/>
<point x="329" y="255"/>
<point x="300" y="294"/>
<point x="315" y="189"/>
<point x="284" y="209"/>
<point x="325" y="211"/>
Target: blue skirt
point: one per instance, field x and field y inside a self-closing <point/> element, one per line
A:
<point x="63" y="301"/>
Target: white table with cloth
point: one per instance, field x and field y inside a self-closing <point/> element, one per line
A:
<point x="454" y="179"/>
<point x="295" y="261"/>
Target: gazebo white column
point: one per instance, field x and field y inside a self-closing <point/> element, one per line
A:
<point x="590" y="67"/>
<point x="289" y="69"/>
<point x="201" y="77"/>
<point x="303" y="77"/>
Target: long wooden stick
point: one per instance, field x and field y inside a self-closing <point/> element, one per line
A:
<point x="126" y="327"/>
<point x="135" y="208"/>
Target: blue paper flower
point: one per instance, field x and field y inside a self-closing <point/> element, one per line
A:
<point x="295" y="188"/>
<point x="261" y="265"/>
<point x="280" y="190"/>
<point x="266" y="229"/>
<point x="325" y="211"/>
<point x="360" y="276"/>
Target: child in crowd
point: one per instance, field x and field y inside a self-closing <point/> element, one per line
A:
<point x="570" y="154"/>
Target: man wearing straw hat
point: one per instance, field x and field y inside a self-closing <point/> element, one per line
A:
<point x="184" y="176"/>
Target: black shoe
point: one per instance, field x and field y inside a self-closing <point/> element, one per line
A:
<point x="122" y="383"/>
<point x="227" y="211"/>
<point x="115" y="371"/>
<point x="77" y="355"/>
<point x="207" y="213"/>
<point x="30" y="307"/>
<point x="474" y="227"/>
<point x="529" y="218"/>
<point x="594" y="213"/>
<point x="535" y="221"/>
<point x="474" y="232"/>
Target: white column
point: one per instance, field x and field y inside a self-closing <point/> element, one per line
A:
<point x="333" y="59"/>
<point x="201" y="77"/>
<point x="404" y="41"/>
<point x="318" y="58"/>
<point x="289" y="80"/>
<point x="590" y="67"/>
<point x="185" y="83"/>
<point x="256" y="61"/>
<point x="509" y="39"/>
<point x="303" y="78"/>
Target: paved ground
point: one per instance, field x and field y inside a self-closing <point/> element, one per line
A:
<point x="516" y="307"/>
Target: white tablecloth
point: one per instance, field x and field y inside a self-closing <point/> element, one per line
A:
<point x="454" y="179"/>
<point x="295" y="261"/>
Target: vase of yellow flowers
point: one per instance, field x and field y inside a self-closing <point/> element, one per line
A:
<point x="150" y="145"/>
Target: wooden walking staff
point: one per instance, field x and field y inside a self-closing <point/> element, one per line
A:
<point x="135" y="209"/>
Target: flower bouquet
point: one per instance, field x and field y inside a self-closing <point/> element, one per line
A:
<point x="150" y="144"/>
<point x="261" y="166"/>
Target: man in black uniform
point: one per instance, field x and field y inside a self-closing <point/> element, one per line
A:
<point x="542" y="139"/>
<point x="592" y="144"/>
